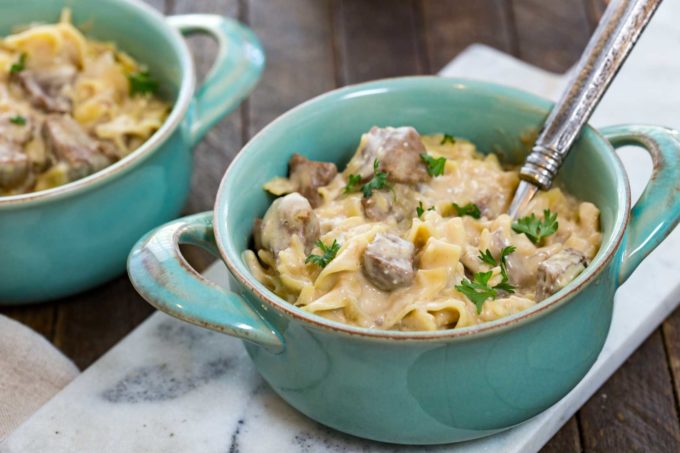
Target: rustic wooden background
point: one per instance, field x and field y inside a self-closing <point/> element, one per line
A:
<point x="314" y="46"/>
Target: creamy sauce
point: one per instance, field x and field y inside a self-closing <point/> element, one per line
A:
<point x="66" y="107"/>
<point x="446" y="246"/>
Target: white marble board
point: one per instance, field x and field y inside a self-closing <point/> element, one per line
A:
<point x="169" y="386"/>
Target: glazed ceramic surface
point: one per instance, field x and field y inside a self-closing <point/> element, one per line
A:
<point x="416" y="387"/>
<point x="68" y="239"/>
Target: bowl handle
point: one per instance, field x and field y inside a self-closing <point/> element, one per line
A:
<point x="162" y="276"/>
<point x="657" y="211"/>
<point x="235" y="72"/>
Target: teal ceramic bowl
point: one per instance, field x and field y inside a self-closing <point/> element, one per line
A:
<point x="416" y="387"/>
<point x="70" y="238"/>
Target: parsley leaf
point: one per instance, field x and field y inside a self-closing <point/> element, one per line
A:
<point x="470" y="209"/>
<point x="487" y="257"/>
<point x="534" y="228"/>
<point x="378" y="181"/>
<point x="352" y="182"/>
<point x="141" y="82"/>
<point x="477" y="290"/>
<point x="420" y="209"/>
<point x="448" y="139"/>
<point x="18" y="120"/>
<point x="19" y="66"/>
<point x="435" y="166"/>
<point x="329" y="253"/>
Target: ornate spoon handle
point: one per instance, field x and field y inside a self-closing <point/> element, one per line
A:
<point x="614" y="38"/>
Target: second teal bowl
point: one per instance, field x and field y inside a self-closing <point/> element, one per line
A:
<point x="71" y="238"/>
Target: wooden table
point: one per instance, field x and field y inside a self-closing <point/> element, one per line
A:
<point x="314" y="46"/>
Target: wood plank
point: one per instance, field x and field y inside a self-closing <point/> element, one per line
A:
<point x="566" y="440"/>
<point x="452" y="25"/>
<point x="595" y="9"/>
<point x="635" y="410"/>
<point x="298" y="39"/>
<point x="89" y="324"/>
<point x="378" y="39"/>
<point x="671" y="334"/>
<point x="551" y="34"/>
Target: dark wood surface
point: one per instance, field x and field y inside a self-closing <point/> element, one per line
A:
<point x="316" y="45"/>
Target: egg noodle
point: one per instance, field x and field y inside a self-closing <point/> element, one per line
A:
<point x="50" y="70"/>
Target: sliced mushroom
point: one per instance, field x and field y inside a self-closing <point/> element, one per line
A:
<point x="71" y="144"/>
<point x="14" y="165"/>
<point x="557" y="271"/>
<point x="388" y="262"/>
<point x="397" y="149"/>
<point x="398" y="204"/>
<point x="16" y="128"/>
<point x="288" y="216"/>
<point x="308" y="175"/>
<point x="47" y="89"/>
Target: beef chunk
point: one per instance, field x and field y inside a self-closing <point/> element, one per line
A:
<point x="388" y="262"/>
<point x="14" y="165"/>
<point x="557" y="271"/>
<point x="309" y="175"/>
<point x="71" y="144"/>
<point x="287" y="217"/>
<point x="397" y="149"/>
<point x="47" y="89"/>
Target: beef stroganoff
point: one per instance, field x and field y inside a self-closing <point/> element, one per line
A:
<point x="69" y="106"/>
<point x="414" y="235"/>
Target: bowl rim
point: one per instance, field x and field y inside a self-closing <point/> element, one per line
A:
<point x="153" y="143"/>
<point x="602" y="259"/>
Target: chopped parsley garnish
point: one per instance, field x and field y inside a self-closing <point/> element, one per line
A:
<point x="487" y="258"/>
<point x="18" y="120"/>
<point x="478" y="290"/>
<point x="329" y="253"/>
<point x="420" y="209"/>
<point x="141" y="82"/>
<point x="435" y="166"/>
<point x="469" y="209"/>
<point x="377" y="182"/>
<point x="536" y="229"/>
<point x="352" y="182"/>
<point x="19" y="66"/>
<point x="447" y="139"/>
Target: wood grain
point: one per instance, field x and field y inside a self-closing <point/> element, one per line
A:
<point x="452" y="25"/>
<point x="550" y="34"/>
<point x="671" y="336"/>
<point x="298" y="40"/>
<point x="90" y="323"/>
<point x="635" y="410"/>
<point x="378" y="39"/>
<point x="566" y="440"/>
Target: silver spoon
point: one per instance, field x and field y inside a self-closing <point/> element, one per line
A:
<point x="614" y="38"/>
